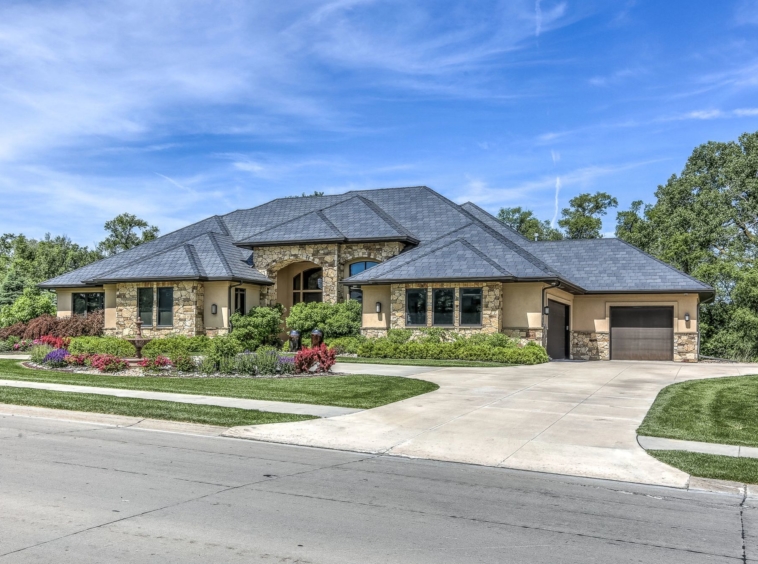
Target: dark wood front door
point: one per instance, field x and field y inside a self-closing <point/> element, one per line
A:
<point x="557" y="330"/>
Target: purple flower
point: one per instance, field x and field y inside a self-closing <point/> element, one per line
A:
<point x="58" y="356"/>
<point x="287" y="359"/>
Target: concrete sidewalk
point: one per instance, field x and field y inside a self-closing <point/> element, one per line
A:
<point x="659" y="443"/>
<point x="260" y="405"/>
<point x="574" y="418"/>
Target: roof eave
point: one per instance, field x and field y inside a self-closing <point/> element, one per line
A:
<point x="98" y="282"/>
<point x="401" y="239"/>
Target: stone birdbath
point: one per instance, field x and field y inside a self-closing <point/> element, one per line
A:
<point x="139" y="341"/>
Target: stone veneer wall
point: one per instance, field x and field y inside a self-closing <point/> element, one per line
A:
<point x="188" y="309"/>
<point x="332" y="258"/>
<point x="590" y="345"/>
<point x="524" y="335"/>
<point x="491" y="303"/>
<point x="685" y="347"/>
<point x="373" y="332"/>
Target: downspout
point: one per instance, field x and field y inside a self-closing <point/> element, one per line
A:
<point x="544" y="317"/>
<point x="229" y="304"/>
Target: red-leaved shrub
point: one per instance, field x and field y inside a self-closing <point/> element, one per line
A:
<point x="75" y="326"/>
<point x="55" y="342"/>
<point x="155" y="364"/>
<point x="15" y="330"/>
<point x="107" y="363"/>
<point x="306" y="358"/>
<point x="77" y="359"/>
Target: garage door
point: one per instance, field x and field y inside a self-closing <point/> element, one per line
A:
<point x="642" y="333"/>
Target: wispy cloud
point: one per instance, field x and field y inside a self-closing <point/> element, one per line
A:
<point x="557" y="195"/>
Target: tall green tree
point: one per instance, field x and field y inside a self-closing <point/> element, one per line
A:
<point x="583" y="218"/>
<point x="12" y="286"/>
<point x="126" y="231"/>
<point x="526" y="223"/>
<point x="705" y="222"/>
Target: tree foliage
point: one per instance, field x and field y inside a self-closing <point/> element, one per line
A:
<point x="528" y="225"/>
<point x="123" y="234"/>
<point x="705" y="222"/>
<point x="582" y="219"/>
<point x="29" y="305"/>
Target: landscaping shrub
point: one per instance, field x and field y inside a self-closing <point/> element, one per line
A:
<point x="207" y="366"/>
<point x="345" y="345"/>
<point x="75" y="326"/>
<point x="335" y="320"/>
<point x="224" y="347"/>
<point x="184" y="363"/>
<point x="55" y="342"/>
<point x="39" y="352"/>
<point x="107" y="363"/>
<point x="247" y="363"/>
<point x="56" y="358"/>
<point x="6" y="346"/>
<point x="287" y="364"/>
<point x="155" y="364"/>
<point x="102" y="346"/>
<point x="306" y="358"/>
<point x="177" y="346"/>
<point x="260" y="326"/>
<point x="399" y="336"/>
<point x="15" y="330"/>
<point x="23" y="345"/>
<point x="26" y="307"/>
<point x="267" y="359"/>
<point x="77" y="359"/>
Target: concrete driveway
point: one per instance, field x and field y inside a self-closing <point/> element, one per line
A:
<point x="574" y="418"/>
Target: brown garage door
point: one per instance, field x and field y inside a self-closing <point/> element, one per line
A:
<point x="642" y="333"/>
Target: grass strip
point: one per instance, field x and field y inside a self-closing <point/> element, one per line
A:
<point x="716" y="410"/>
<point x="150" y="409"/>
<point x="419" y="362"/>
<point x="714" y="466"/>
<point x="359" y="391"/>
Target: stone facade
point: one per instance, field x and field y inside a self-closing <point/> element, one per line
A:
<point x="524" y="335"/>
<point x="685" y="347"/>
<point x="590" y="345"/>
<point x="332" y="258"/>
<point x="491" y="305"/>
<point x="373" y="332"/>
<point x="188" y="309"/>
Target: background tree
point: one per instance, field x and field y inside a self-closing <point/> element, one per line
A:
<point x="525" y="222"/>
<point x="705" y="222"/>
<point x="582" y="219"/>
<point x="123" y="234"/>
<point x="12" y="286"/>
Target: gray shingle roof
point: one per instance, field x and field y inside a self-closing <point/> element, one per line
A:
<point x="446" y="242"/>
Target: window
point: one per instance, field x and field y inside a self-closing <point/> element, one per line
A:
<point x="145" y="301"/>
<point x="356" y="294"/>
<point x="358" y="267"/>
<point x="308" y="286"/>
<point x="415" y="307"/>
<point x="443" y="300"/>
<point x="88" y="303"/>
<point x="165" y="307"/>
<point x="239" y="301"/>
<point x="471" y="306"/>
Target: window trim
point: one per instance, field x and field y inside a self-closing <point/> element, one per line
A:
<point x="460" y="308"/>
<point x="434" y="312"/>
<point x="158" y="317"/>
<point x="426" y="307"/>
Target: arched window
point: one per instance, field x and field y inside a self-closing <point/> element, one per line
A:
<point x="356" y="268"/>
<point x="308" y="286"/>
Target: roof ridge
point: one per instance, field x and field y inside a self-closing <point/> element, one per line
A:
<point x="510" y="244"/>
<point x="221" y="254"/>
<point x="485" y="257"/>
<point x="508" y="227"/>
<point x="329" y="224"/>
<point x="223" y="225"/>
<point x="194" y="260"/>
<point x="285" y="222"/>
<point x="388" y="219"/>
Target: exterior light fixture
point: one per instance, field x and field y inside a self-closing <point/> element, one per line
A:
<point x="687" y="317"/>
<point x="378" y="307"/>
<point x="214" y="309"/>
<point x="546" y="310"/>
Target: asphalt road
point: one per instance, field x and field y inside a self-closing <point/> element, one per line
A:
<point x="72" y="492"/>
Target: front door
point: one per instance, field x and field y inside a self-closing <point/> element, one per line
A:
<point x="557" y="330"/>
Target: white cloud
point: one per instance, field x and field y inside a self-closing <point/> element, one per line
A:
<point x="557" y="193"/>
<point x="746" y="112"/>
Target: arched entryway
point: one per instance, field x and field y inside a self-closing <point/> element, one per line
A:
<point x="299" y="282"/>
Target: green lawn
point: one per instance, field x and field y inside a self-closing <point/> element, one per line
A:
<point x="418" y="362"/>
<point x="360" y="391"/>
<point x="151" y="409"/>
<point x="743" y="470"/>
<point x="717" y="410"/>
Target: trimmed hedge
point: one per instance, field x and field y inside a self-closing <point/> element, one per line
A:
<point x="102" y="345"/>
<point x="177" y="346"/>
<point x="335" y="320"/>
<point x="260" y="326"/>
<point x="493" y="348"/>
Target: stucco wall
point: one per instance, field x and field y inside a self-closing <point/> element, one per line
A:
<point x="371" y="295"/>
<point x="521" y="305"/>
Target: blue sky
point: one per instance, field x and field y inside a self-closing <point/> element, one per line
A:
<point x="178" y="110"/>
